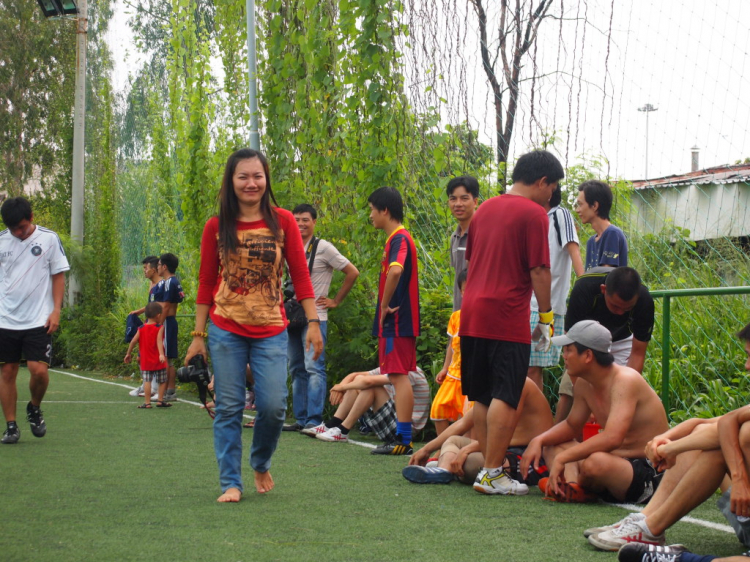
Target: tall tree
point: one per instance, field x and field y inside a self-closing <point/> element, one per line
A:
<point x="37" y="66"/>
<point x="517" y="28"/>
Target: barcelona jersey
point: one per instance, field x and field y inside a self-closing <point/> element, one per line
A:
<point x="400" y="251"/>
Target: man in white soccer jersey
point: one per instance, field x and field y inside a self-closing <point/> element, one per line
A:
<point x="32" y="285"/>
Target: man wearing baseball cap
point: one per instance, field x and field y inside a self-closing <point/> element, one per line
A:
<point x="612" y="464"/>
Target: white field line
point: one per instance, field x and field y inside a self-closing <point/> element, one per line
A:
<point x="628" y="506"/>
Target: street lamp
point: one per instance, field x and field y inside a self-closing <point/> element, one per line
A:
<point x="648" y="108"/>
<point x="79" y="10"/>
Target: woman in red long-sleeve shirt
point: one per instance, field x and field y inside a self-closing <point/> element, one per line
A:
<point x="242" y="256"/>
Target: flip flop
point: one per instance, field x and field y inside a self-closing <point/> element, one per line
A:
<point x="164" y="405"/>
<point x="144" y="407"/>
<point x="250" y="424"/>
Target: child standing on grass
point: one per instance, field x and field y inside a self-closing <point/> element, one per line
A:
<point x="448" y="405"/>
<point x="150" y="340"/>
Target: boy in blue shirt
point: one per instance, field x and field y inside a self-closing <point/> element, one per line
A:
<point x="169" y="294"/>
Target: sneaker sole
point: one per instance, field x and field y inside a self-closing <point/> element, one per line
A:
<point x="495" y="492"/>
<point x="329" y="440"/>
<point x="612" y="547"/>
<point x="413" y="474"/>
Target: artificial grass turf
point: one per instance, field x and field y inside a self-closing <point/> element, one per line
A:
<point x="111" y="482"/>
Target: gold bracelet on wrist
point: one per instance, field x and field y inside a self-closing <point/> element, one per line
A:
<point x="203" y="335"/>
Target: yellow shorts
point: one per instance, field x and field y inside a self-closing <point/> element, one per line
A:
<point x="449" y="402"/>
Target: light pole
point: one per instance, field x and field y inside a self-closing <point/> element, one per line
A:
<point x="252" y="75"/>
<point x="648" y="108"/>
<point x="79" y="10"/>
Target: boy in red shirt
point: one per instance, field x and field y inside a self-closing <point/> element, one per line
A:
<point x="396" y="322"/>
<point x="150" y="340"/>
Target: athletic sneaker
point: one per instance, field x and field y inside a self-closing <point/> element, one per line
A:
<point x="11" y="436"/>
<point x="170" y="396"/>
<point x="333" y="435"/>
<point x="432" y="463"/>
<point x="630" y="531"/>
<point x="424" y="475"/>
<point x="393" y="448"/>
<point x="314" y="430"/>
<point x="500" y="484"/>
<point x="137" y="391"/>
<point x="635" y="516"/>
<point x="639" y="552"/>
<point x="36" y="421"/>
<point x="569" y="492"/>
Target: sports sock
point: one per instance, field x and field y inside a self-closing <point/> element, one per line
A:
<point x="690" y="557"/>
<point x="344" y="429"/>
<point x="492" y="472"/>
<point x="334" y="422"/>
<point x="403" y="429"/>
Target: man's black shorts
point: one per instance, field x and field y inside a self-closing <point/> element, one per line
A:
<point x="493" y="369"/>
<point x="33" y="345"/>
<point x="645" y="482"/>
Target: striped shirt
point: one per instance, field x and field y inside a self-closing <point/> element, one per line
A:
<point x="422" y="398"/>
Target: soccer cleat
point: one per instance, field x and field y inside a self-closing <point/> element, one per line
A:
<point x="393" y="448"/>
<point x="570" y="492"/>
<point x="333" y="435"/>
<point x="314" y="431"/>
<point x="424" y="475"/>
<point x="137" y="391"/>
<point x="11" y="436"/>
<point x="628" y="532"/>
<point x="639" y="552"/>
<point x="502" y="483"/>
<point x="635" y="516"/>
<point x="36" y="421"/>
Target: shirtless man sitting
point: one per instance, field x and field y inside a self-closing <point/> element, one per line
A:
<point x="612" y="464"/>
<point x="460" y="456"/>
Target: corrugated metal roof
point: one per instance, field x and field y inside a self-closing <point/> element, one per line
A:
<point x="717" y="175"/>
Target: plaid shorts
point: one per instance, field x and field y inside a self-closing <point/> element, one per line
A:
<point x="383" y="422"/>
<point x="159" y="376"/>
<point x="551" y="357"/>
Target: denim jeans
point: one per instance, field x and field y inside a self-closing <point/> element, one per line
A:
<point x="308" y="378"/>
<point x="230" y="353"/>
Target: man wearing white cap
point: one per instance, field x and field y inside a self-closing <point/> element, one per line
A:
<point x="612" y="464"/>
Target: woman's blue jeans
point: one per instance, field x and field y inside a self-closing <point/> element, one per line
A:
<point x="230" y="353"/>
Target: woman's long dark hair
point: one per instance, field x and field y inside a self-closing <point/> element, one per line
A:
<point x="229" y="207"/>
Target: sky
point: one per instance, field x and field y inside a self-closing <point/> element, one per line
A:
<point x="689" y="59"/>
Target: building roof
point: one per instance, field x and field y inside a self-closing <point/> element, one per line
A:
<point x="716" y="175"/>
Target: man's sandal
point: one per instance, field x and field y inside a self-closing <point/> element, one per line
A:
<point x="164" y="405"/>
<point x="144" y="407"/>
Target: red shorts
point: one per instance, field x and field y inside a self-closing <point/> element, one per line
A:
<point x="397" y="355"/>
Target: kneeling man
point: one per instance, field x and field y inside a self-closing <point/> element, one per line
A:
<point x="612" y="464"/>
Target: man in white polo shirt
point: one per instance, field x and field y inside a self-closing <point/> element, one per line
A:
<point x="32" y="286"/>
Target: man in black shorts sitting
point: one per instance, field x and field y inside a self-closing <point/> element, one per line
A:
<point x="611" y="464"/>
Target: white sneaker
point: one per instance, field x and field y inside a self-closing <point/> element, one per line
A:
<point x="314" y="431"/>
<point x="431" y="464"/>
<point x="333" y="435"/>
<point x="170" y="396"/>
<point x="635" y="516"/>
<point x="499" y="484"/>
<point x="628" y="532"/>
<point x="137" y="391"/>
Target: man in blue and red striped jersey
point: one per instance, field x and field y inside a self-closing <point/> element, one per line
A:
<point x="396" y="322"/>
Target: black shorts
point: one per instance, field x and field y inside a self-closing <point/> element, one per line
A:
<point x="493" y="369"/>
<point x="645" y="481"/>
<point x="513" y="458"/>
<point x="33" y="345"/>
<point x="170" y="337"/>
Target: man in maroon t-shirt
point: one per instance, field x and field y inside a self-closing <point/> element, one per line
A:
<point x="508" y="255"/>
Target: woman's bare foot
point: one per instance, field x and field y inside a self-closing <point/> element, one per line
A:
<point x="231" y="495"/>
<point x="263" y="482"/>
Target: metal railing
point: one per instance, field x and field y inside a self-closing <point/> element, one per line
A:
<point x="666" y="296"/>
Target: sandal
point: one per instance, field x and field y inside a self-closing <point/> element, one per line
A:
<point x="164" y="405"/>
<point x="250" y="424"/>
<point x="144" y="407"/>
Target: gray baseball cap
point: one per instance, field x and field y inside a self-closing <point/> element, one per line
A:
<point x="588" y="333"/>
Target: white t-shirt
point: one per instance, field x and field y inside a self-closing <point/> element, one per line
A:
<point x="26" y="269"/>
<point x="560" y="263"/>
<point x="422" y="400"/>
<point x="327" y="258"/>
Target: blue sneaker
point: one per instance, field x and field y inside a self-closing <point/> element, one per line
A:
<point x="423" y="475"/>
